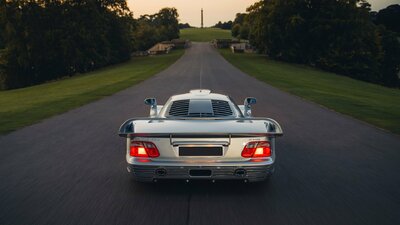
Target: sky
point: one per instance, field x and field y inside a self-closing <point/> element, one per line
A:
<point x="214" y="10"/>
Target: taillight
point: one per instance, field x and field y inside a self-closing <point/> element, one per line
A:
<point x="257" y="149"/>
<point x="143" y="149"/>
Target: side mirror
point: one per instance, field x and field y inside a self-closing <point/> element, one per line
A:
<point x="152" y="102"/>
<point x="247" y="105"/>
<point x="250" y="101"/>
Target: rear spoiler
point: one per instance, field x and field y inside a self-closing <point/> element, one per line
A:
<point x="272" y="128"/>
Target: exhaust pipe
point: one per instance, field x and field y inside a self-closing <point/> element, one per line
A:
<point x="161" y="172"/>
<point x="240" y="172"/>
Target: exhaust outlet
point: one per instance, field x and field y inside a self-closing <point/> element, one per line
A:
<point x="240" y="172"/>
<point x="161" y="172"/>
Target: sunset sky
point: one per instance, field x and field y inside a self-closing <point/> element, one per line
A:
<point x="214" y="10"/>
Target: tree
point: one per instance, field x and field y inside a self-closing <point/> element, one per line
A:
<point x="390" y="17"/>
<point x="167" y="19"/>
<point x="240" y="18"/>
<point x="244" y="31"/>
<point x="257" y="20"/>
<point x="241" y="27"/>
<point x="145" y="36"/>
<point x="390" y="60"/>
<point x="2" y="22"/>
<point x="335" y="35"/>
<point x="184" y="25"/>
<point x="151" y="29"/>
<point x="235" y="30"/>
<point x="48" y="39"/>
<point x="224" y="25"/>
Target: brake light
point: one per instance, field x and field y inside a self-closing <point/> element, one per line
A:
<point x="143" y="149"/>
<point x="257" y="149"/>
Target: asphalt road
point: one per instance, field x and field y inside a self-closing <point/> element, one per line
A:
<point x="70" y="169"/>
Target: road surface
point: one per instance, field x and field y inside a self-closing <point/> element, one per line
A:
<point x="70" y="169"/>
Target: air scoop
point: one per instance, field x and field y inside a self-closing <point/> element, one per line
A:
<point x="200" y="92"/>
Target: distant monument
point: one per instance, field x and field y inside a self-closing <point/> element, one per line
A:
<point x="202" y="18"/>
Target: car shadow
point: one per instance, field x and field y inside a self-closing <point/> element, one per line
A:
<point x="202" y="187"/>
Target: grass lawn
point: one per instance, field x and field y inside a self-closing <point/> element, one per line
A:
<point x="25" y="106"/>
<point x="372" y="103"/>
<point x="205" y="34"/>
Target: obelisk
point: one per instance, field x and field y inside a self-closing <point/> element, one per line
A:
<point x="202" y="18"/>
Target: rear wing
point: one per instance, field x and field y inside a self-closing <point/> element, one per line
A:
<point x="271" y="128"/>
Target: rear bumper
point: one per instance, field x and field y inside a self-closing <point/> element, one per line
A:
<point x="152" y="173"/>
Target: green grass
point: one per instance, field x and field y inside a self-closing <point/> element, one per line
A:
<point x="205" y="34"/>
<point x="25" y="106"/>
<point x="372" y="103"/>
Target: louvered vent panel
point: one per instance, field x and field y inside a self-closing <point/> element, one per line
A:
<point x="200" y="115"/>
<point x="221" y="108"/>
<point x="179" y="108"/>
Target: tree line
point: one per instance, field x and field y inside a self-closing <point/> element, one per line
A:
<point x="184" y="25"/>
<point x="43" y="40"/>
<point x="151" y="29"/>
<point x="224" y="25"/>
<point x="342" y="36"/>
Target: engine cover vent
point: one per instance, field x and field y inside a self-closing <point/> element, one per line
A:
<point x="179" y="108"/>
<point x="221" y="108"/>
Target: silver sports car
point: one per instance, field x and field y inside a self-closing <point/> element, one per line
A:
<point x="200" y="135"/>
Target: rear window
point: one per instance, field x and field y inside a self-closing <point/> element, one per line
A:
<point x="200" y="108"/>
